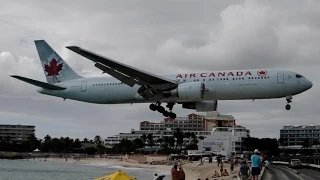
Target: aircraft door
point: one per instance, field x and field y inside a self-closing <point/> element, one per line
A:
<point x="83" y="86"/>
<point x="280" y="78"/>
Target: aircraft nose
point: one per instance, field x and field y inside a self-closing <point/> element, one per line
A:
<point x="309" y="84"/>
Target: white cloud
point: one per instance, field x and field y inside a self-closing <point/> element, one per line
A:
<point x="162" y="37"/>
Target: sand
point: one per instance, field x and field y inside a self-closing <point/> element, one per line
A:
<point x="192" y="170"/>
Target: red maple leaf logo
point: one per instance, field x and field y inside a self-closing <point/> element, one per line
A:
<point x="262" y="73"/>
<point x="53" y="69"/>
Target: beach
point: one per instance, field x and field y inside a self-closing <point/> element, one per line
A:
<point x="193" y="170"/>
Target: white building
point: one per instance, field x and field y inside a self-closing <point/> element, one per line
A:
<point x="224" y="140"/>
<point x="212" y="124"/>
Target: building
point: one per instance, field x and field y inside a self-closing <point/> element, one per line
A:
<point x="225" y="140"/>
<point x="207" y="125"/>
<point x="193" y="122"/>
<point x="16" y="132"/>
<point x="295" y="135"/>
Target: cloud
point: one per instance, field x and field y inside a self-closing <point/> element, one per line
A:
<point x="162" y="37"/>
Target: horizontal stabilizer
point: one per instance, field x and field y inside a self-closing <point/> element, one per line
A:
<point x="39" y="83"/>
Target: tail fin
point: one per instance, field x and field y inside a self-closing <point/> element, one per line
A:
<point x="54" y="67"/>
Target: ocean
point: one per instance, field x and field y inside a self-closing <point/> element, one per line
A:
<point x="47" y="170"/>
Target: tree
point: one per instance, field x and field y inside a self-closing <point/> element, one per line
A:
<point x="144" y="139"/>
<point x="150" y="140"/>
<point x="315" y="142"/>
<point x="306" y="143"/>
<point x="178" y="134"/>
<point x="98" y="140"/>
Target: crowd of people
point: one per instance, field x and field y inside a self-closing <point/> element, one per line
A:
<point x="245" y="172"/>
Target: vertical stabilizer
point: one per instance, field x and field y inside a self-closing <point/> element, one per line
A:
<point x="54" y="67"/>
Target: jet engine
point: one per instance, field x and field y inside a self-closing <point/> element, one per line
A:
<point x="201" y="106"/>
<point x="189" y="91"/>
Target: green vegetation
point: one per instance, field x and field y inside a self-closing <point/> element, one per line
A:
<point x="168" y="144"/>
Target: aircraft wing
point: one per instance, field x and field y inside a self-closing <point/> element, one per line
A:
<point x="151" y="84"/>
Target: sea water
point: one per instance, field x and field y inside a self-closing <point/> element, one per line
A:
<point x="47" y="170"/>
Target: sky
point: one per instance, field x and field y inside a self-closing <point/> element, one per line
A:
<point x="159" y="37"/>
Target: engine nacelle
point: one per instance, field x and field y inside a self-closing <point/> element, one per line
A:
<point x="189" y="91"/>
<point x="201" y="106"/>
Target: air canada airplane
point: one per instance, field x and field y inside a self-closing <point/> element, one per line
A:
<point x="198" y="91"/>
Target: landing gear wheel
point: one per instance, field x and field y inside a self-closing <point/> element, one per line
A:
<point x="160" y="109"/>
<point x="288" y="107"/>
<point x="153" y="107"/>
<point x="166" y="113"/>
<point x="172" y="115"/>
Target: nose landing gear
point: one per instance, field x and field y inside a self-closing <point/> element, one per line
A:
<point x="160" y="109"/>
<point x="289" y="100"/>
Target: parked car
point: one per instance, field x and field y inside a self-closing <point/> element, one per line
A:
<point x="295" y="163"/>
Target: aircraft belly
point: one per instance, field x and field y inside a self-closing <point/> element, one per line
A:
<point x="248" y="91"/>
<point x="221" y="91"/>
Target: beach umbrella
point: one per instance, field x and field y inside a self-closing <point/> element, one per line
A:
<point x="119" y="175"/>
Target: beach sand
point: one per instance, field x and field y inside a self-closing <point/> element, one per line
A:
<point x="192" y="170"/>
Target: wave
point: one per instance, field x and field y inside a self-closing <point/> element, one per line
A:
<point x="113" y="166"/>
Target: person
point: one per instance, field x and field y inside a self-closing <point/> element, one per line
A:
<point x="244" y="171"/>
<point x="231" y="166"/>
<point x="255" y="165"/>
<point x="182" y="175"/>
<point x="155" y="176"/>
<point x="267" y="164"/>
<point x="218" y="160"/>
<point x="225" y="173"/>
<point x="175" y="173"/>
<point x="221" y="168"/>
<point x="216" y="174"/>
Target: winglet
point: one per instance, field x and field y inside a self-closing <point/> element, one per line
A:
<point x="74" y="48"/>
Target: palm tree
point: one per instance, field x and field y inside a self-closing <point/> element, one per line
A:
<point x="306" y="143"/>
<point x="98" y="139"/>
<point x="282" y="142"/>
<point x="144" y="139"/>
<point x="85" y="140"/>
<point x="171" y="141"/>
<point x="160" y="141"/>
<point x="178" y="134"/>
<point x="315" y="142"/>
<point x="188" y="135"/>
<point x="150" y="140"/>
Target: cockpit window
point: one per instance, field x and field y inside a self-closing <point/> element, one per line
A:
<point x="299" y="76"/>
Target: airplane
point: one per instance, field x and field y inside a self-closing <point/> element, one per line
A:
<point x="127" y="84"/>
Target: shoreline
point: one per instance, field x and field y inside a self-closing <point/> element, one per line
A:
<point x="193" y="170"/>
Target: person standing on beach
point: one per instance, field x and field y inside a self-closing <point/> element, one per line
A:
<point x="244" y="171"/>
<point x="175" y="173"/>
<point x="221" y="168"/>
<point x="256" y="165"/>
<point x="182" y="175"/>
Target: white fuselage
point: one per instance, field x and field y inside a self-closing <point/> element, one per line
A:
<point x="223" y="85"/>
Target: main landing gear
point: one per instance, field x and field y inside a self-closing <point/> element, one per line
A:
<point x="160" y="109"/>
<point x="289" y="100"/>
